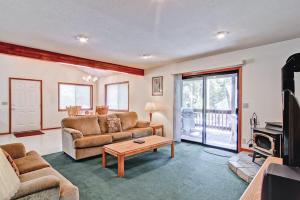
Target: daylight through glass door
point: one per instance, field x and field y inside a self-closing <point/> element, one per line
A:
<point x="209" y="110"/>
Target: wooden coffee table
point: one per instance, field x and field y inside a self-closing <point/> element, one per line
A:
<point x="129" y="148"/>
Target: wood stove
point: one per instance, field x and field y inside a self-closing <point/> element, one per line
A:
<point x="267" y="141"/>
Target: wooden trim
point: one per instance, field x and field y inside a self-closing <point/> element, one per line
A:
<point x="47" y="129"/>
<point x="254" y="189"/>
<point x="4" y="133"/>
<point x="10" y="99"/>
<point x="247" y="150"/>
<point x="115" y="110"/>
<point x="28" y="52"/>
<point x="212" y="71"/>
<point x="240" y="107"/>
<point x="79" y="84"/>
<point x="162" y="86"/>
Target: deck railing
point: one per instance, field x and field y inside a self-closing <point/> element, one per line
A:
<point x="219" y="119"/>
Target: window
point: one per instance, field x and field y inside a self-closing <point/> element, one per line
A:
<point x="71" y="94"/>
<point x="117" y="96"/>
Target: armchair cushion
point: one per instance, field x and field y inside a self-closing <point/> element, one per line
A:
<point x="92" y="141"/>
<point x="12" y="162"/>
<point x="75" y="133"/>
<point x="87" y="125"/>
<point x="15" y="150"/>
<point x="67" y="190"/>
<point x="37" y="185"/>
<point x="142" y="124"/>
<point x="31" y="162"/>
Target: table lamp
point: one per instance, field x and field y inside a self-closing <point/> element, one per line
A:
<point x="150" y="108"/>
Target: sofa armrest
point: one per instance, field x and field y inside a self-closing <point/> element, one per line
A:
<point x="142" y="124"/>
<point x="37" y="185"/>
<point x="75" y="133"/>
<point x="15" y="150"/>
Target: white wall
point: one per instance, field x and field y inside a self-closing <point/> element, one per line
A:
<point x="49" y="72"/>
<point x="261" y="83"/>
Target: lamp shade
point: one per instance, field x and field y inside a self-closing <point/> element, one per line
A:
<point x="151" y="107"/>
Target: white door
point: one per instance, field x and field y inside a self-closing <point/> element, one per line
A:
<point x="25" y="105"/>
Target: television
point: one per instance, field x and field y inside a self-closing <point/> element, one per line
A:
<point x="291" y="113"/>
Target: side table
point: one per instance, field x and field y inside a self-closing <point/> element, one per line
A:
<point x="156" y="127"/>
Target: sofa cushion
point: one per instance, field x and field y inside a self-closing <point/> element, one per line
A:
<point x="87" y="125"/>
<point x="12" y="162"/>
<point x="114" y="125"/>
<point x="121" y="136"/>
<point x="10" y="182"/>
<point x="141" y="132"/>
<point x="15" y="150"/>
<point x="32" y="161"/>
<point x="128" y="119"/>
<point x="92" y="141"/>
<point x="42" y="185"/>
<point x="102" y="120"/>
<point x="67" y="189"/>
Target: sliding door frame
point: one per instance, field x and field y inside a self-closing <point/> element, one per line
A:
<point x="238" y="70"/>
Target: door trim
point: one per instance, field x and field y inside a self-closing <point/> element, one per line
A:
<point x="10" y="100"/>
<point x="239" y="70"/>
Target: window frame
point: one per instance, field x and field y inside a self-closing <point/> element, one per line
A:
<point x="76" y="84"/>
<point x="117" y="83"/>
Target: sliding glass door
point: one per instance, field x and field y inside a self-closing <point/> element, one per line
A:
<point x="209" y="110"/>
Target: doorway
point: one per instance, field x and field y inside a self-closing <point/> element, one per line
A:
<point x="25" y="105"/>
<point x="210" y="109"/>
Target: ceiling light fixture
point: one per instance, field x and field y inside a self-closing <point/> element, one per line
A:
<point x="82" y="38"/>
<point x="222" y="34"/>
<point x="146" y="56"/>
<point x="90" y="79"/>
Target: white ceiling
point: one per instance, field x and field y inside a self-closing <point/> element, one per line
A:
<point x="172" y="30"/>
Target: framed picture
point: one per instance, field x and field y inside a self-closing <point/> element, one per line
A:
<point x="157" y="86"/>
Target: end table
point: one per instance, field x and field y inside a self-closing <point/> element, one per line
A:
<point x="156" y="127"/>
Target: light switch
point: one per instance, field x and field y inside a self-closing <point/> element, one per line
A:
<point x="245" y="105"/>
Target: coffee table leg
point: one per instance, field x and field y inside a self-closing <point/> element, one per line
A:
<point x="121" y="166"/>
<point x="103" y="158"/>
<point x="172" y="150"/>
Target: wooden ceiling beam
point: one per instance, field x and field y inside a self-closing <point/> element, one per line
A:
<point x="28" y="52"/>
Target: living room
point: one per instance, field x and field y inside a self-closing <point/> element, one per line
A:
<point x="168" y="105"/>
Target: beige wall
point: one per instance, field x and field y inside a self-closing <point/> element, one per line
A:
<point x="261" y="83"/>
<point x="50" y="73"/>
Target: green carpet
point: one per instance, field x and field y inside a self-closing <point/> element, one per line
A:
<point x="192" y="175"/>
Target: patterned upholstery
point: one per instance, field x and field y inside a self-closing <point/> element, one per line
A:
<point x="114" y="125"/>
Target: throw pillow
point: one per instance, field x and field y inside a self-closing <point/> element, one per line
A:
<point x="114" y="125"/>
<point x="12" y="162"/>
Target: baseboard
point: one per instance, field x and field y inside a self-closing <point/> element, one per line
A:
<point x="47" y="129"/>
<point x="247" y="150"/>
<point x="4" y="133"/>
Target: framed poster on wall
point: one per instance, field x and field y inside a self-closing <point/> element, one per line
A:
<point x="157" y="86"/>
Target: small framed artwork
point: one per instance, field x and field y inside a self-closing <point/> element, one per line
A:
<point x="157" y="86"/>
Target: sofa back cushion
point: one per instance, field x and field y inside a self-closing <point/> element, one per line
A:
<point x="10" y="182"/>
<point x="12" y="162"/>
<point x="128" y="119"/>
<point x="87" y="125"/>
<point x="102" y="120"/>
